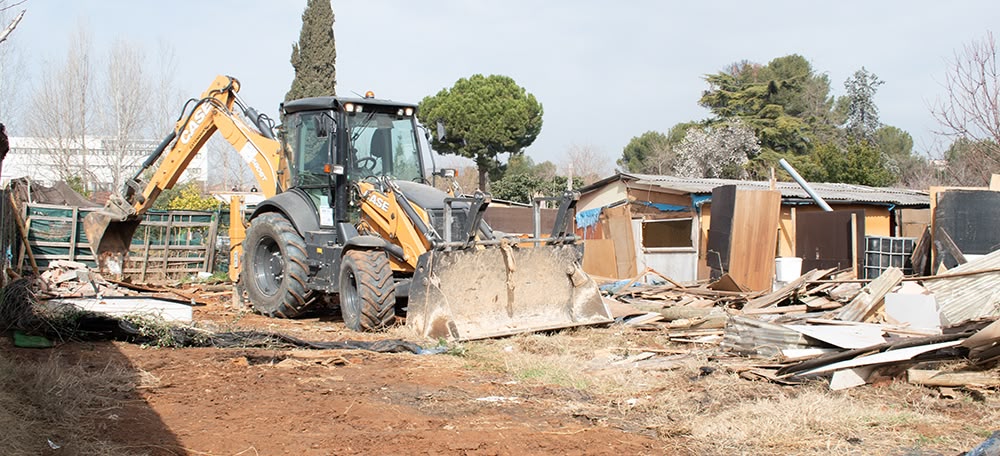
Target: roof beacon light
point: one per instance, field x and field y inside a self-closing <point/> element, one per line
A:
<point x="408" y="111"/>
<point x="369" y="94"/>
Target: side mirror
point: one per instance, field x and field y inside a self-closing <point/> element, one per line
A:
<point x="450" y="173"/>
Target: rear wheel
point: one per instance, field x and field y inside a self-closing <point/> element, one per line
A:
<point x="367" y="290"/>
<point x="274" y="267"/>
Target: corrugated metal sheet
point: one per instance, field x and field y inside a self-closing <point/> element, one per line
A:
<point x="968" y="297"/>
<point x="749" y="336"/>
<point x="830" y="192"/>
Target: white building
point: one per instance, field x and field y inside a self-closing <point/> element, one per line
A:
<point x="101" y="161"/>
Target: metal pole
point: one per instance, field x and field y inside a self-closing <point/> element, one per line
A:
<point x="805" y="185"/>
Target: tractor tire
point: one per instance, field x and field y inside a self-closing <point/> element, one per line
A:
<point x="274" y="270"/>
<point x="367" y="290"/>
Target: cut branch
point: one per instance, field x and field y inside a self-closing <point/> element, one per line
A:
<point x="10" y="28"/>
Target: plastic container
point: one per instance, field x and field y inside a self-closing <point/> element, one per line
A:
<point x="787" y="269"/>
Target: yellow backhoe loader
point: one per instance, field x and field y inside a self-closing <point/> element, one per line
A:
<point x="350" y="213"/>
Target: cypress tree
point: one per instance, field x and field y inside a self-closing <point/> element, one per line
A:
<point x="314" y="56"/>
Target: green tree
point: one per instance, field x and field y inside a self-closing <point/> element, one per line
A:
<point x="897" y="147"/>
<point x="78" y="184"/>
<point x="524" y="180"/>
<point x="860" y="163"/>
<point x="485" y="116"/>
<point x="862" y="113"/>
<point x="314" y="56"/>
<point x="785" y="103"/>
<point x="186" y="196"/>
<point x="894" y="142"/>
<point x="653" y="152"/>
<point x="641" y="150"/>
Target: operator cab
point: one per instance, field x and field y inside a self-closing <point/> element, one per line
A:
<point x="333" y="141"/>
<point x="374" y="138"/>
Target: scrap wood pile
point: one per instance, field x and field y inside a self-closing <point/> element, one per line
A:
<point x="65" y="304"/>
<point x="71" y="279"/>
<point x="938" y="330"/>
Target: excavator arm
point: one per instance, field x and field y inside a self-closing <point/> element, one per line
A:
<point x="110" y="230"/>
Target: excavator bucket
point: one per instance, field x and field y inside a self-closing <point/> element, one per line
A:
<point x="109" y="233"/>
<point x="479" y="293"/>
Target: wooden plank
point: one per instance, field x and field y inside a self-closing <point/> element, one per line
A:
<point x="620" y="230"/>
<point x="920" y="258"/>
<point x="869" y="300"/>
<point x="785" y="291"/>
<point x="22" y="230"/>
<point x="776" y="310"/>
<point x="854" y="246"/>
<point x="933" y="377"/>
<point x="944" y="243"/>
<point x="72" y="233"/>
<point x="754" y="238"/>
<point x="210" y="244"/>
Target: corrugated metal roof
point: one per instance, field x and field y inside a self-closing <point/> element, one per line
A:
<point x="972" y="296"/>
<point x="843" y="193"/>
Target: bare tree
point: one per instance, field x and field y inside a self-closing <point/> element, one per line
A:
<point x="167" y="99"/>
<point x="970" y="109"/>
<point x="661" y="160"/>
<point x="62" y="110"/>
<point x="586" y="162"/>
<point x="125" y="115"/>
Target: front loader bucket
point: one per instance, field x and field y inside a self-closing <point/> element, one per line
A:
<point x="498" y="291"/>
<point x="109" y="235"/>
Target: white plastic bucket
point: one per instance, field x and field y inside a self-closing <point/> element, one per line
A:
<point x="787" y="269"/>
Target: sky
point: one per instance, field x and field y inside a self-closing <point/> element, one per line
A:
<point x="604" y="72"/>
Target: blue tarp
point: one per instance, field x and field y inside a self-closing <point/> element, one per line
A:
<point x="697" y="200"/>
<point x="588" y="218"/>
<point x="664" y="207"/>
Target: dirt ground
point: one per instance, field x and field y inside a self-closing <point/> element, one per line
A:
<point x="205" y="401"/>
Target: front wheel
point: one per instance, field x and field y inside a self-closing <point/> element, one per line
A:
<point x="367" y="290"/>
<point x="274" y="267"/>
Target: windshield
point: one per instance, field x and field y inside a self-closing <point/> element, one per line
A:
<point x="383" y="144"/>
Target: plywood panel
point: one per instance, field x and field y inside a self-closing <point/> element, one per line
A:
<point x="754" y="238"/>
<point x="913" y="222"/>
<point x="599" y="258"/>
<point x="786" y="232"/>
<point x="619" y="229"/>
<point x="823" y="239"/>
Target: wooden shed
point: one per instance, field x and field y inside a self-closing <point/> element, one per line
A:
<point x="634" y="221"/>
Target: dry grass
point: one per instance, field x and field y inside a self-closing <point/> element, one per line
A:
<point x="55" y="401"/>
<point x="702" y="404"/>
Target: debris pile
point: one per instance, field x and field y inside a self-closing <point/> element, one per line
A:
<point x="935" y="330"/>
